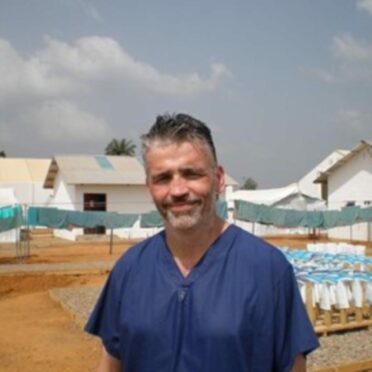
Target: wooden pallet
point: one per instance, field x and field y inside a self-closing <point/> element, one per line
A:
<point x="335" y="320"/>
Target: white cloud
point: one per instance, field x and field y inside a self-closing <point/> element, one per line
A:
<point x="29" y="76"/>
<point x="352" y="119"/>
<point x="345" y="47"/>
<point x="62" y="68"/>
<point x="353" y="60"/>
<point x="365" y="5"/>
<point x="63" y="121"/>
<point x="103" y="58"/>
<point x="90" y="10"/>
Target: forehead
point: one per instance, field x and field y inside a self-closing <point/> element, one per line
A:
<point x="162" y="155"/>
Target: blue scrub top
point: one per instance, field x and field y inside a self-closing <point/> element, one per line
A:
<point x="238" y="310"/>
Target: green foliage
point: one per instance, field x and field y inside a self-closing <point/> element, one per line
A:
<point x="249" y="184"/>
<point x="121" y="147"/>
<point x="2" y="154"/>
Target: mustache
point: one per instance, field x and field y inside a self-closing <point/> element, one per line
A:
<point x="175" y="200"/>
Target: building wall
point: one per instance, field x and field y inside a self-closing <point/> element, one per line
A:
<point x="64" y="196"/>
<point x="124" y="199"/>
<point x="306" y="183"/>
<point x="352" y="182"/>
<point x="120" y="198"/>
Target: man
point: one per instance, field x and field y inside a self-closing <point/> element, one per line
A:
<point x="202" y="295"/>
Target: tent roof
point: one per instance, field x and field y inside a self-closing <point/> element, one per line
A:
<point x="23" y="170"/>
<point x="7" y="197"/>
<point x="322" y="178"/>
<point x="271" y="196"/>
<point x="96" y="170"/>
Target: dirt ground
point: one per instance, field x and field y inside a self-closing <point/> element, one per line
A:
<point x="37" y="334"/>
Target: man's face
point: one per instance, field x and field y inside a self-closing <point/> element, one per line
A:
<point x="183" y="183"/>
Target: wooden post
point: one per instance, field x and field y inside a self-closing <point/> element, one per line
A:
<point x="309" y="302"/>
<point x="343" y="316"/>
<point x="358" y="315"/>
<point x="327" y="320"/>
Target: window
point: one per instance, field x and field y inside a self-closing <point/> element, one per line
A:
<point x="350" y="204"/>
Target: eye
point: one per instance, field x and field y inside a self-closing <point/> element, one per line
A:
<point x="192" y="174"/>
<point x="161" y="178"/>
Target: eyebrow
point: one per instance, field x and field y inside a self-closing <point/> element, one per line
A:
<point x="183" y="170"/>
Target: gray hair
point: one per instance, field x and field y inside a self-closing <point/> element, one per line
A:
<point x="178" y="128"/>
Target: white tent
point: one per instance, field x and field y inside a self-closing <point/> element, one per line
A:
<point x="288" y="197"/>
<point x="7" y="197"/>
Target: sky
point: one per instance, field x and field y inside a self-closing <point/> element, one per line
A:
<point x="282" y="84"/>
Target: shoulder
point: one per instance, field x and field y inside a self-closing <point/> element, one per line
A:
<point x="258" y="253"/>
<point x="145" y="250"/>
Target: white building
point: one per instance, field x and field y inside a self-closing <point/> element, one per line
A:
<point x="97" y="183"/>
<point x="230" y="186"/>
<point x="306" y="183"/>
<point x="348" y="182"/>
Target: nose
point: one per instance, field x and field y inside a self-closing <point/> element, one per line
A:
<point x="178" y="187"/>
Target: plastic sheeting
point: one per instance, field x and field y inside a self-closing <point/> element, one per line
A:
<point x="10" y="218"/>
<point x="151" y="219"/>
<point x="264" y="214"/>
<point x="65" y="219"/>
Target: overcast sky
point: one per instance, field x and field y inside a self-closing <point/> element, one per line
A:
<point x="281" y="83"/>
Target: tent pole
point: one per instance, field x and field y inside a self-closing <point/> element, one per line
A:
<point x="27" y="233"/>
<point x="18" y="245"/>
<point x="111" y="239"/>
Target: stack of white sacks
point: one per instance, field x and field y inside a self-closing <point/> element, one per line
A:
<point x="337" y="248"/>
<point x="341" y="274"/>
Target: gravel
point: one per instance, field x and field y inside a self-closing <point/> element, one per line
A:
<point x="336" y="349"/>
<point x="55" y="267"/>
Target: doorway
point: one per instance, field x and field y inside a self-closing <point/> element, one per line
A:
<point x="95" y="202"/>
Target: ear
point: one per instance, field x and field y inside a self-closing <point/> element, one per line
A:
<point x="220" y="174"/>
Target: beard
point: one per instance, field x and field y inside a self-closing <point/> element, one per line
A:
<point x="184" y="220"/>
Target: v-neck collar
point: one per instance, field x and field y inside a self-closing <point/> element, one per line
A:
<point x="220" y="246"/>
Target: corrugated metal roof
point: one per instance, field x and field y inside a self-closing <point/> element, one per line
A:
<point x="351" y="154"/>
<point x="84" y="169"/>
<point x="23" y="170"/>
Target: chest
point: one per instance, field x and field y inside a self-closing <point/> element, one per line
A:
<point x="218" y="305"/>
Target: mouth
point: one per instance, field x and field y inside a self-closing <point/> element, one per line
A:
<point x="182" y="206"/>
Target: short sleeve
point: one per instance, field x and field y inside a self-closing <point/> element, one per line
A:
<point x="104" y="320"/>
<point x="294" y="333"/>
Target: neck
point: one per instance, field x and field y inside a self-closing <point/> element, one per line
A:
<point x="189" y="245"/>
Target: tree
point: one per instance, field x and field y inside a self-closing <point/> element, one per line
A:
<point x="121" y="147"/>
<point x="249" y="184"/>
<point x="2" y="154"/>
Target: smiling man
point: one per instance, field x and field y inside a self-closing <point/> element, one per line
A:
<point x="202" y="295"/>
